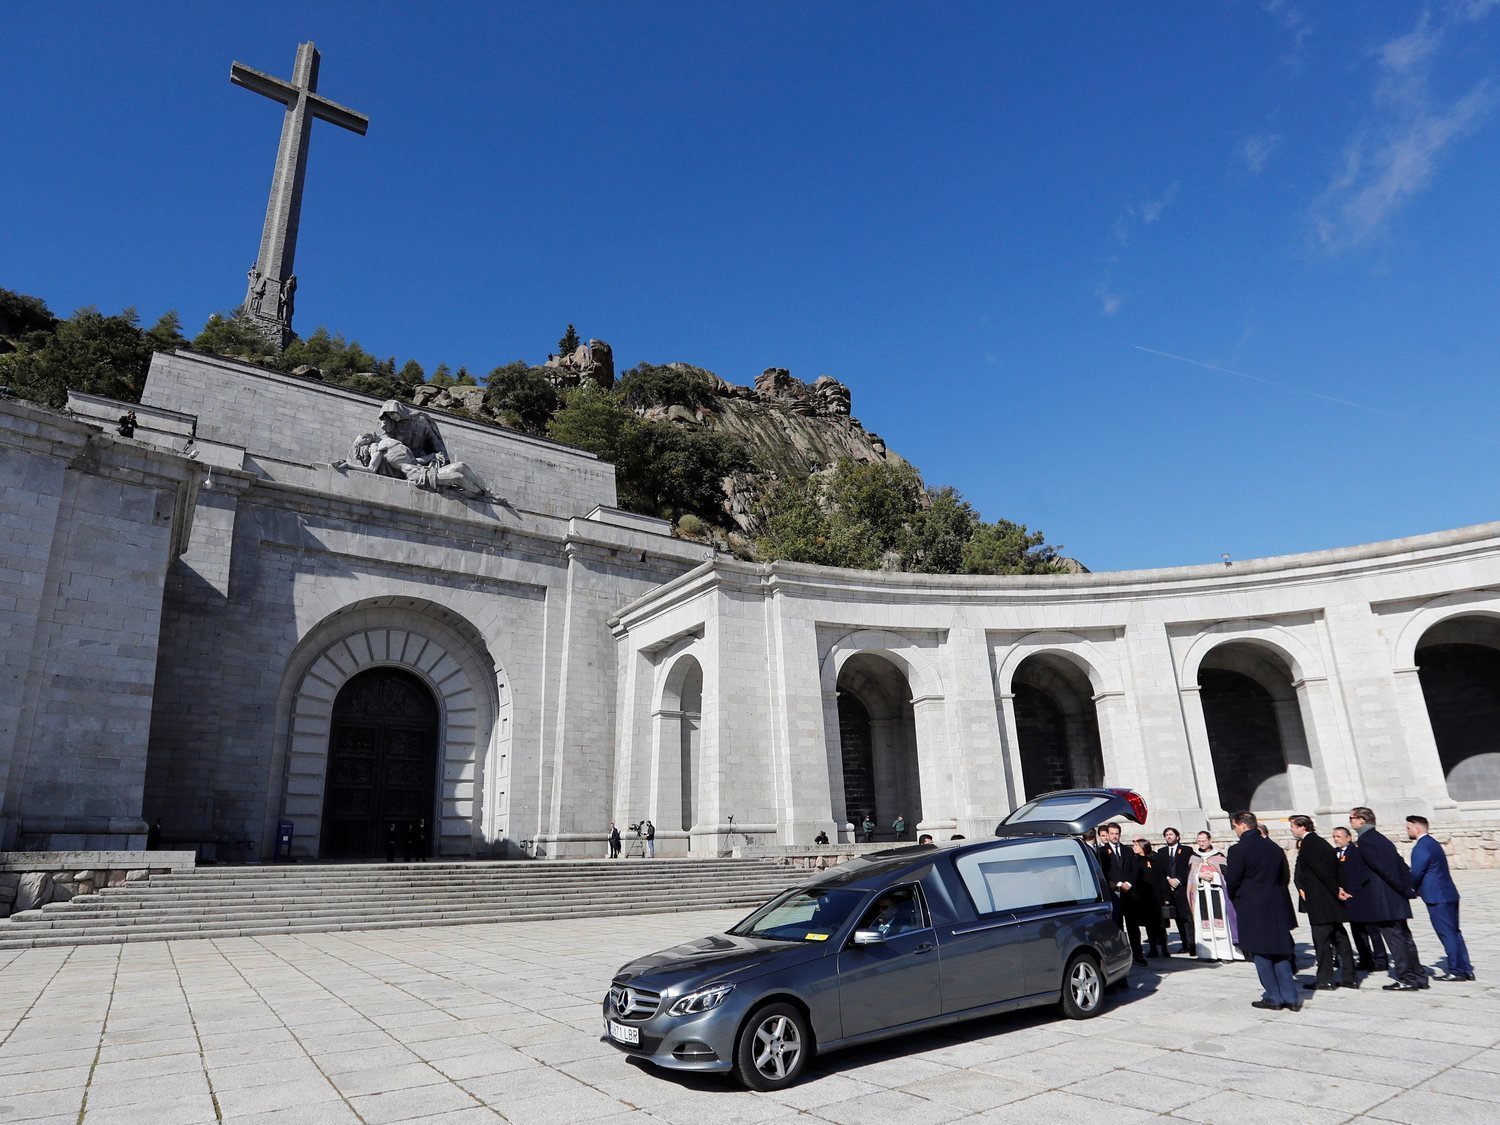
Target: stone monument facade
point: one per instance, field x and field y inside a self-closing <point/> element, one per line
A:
<point x="271" y="293"/>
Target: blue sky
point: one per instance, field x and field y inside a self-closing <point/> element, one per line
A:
<point x="1165" y="281"/>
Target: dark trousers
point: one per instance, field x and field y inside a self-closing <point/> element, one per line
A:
<point x="1444" y="916"/>
<point x="1278" y="986"/>
<point x="1331" y="944"/>
<point x="1182" y="914"/>
<point x="1370" y="946"/>
<point x="1406" y="965"/>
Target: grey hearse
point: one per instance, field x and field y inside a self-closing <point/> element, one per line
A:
<point x="888" y="943"/>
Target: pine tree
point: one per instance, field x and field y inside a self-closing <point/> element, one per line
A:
<point x="569" y="343"/>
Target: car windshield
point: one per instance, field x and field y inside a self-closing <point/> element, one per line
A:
<point x="804" y="914"/>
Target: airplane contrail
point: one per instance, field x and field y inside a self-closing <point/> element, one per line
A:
<point x="1267" y="382"/>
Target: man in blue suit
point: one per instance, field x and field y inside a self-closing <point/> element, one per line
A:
<point x="1429" y="875"/>
<point x="1383" y="897"/>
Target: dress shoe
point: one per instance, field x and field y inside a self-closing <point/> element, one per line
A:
<point x="1297" y="1007"/>
<point x="1400" y="986"/>
<point x="1314" y="987"/>
<point x="1140" y="962"/>
<point x="1454" y="976"/>
<point x="1266" y="1005"/>
<point x="1349" y="984"/>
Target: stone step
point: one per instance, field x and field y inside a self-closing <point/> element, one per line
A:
<point x="406" y="890"/>
<point x="31" y="937"/>
<point x="98" y="905"/>
<point x="234" y="901"/>
<point x="149" y="916"/>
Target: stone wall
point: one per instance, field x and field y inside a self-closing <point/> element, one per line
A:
<point x="32" y="879"/>
<point x="280" y="418"/>
<point x="1334" y="633"/>
<point x="90" y="523"/>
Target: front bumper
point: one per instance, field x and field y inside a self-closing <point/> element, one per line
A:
<point x="704" y="1042"/>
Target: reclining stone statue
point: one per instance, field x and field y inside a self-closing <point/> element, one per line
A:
<point x="410" y="448"/>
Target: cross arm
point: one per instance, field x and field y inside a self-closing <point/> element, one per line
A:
<point x="336" y="114"/>
<point x="262" y="83"/>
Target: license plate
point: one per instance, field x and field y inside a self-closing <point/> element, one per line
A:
<point x="622" y="1034"/>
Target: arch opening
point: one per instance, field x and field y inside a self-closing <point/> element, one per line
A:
<point x="878" y="744"/>
<point x="1057" y="726"/>
<point x="681" y="744"/>
<point x="1458" y="665"/>
<point x="1256" y="735"/>
<point x="382" y="765"/>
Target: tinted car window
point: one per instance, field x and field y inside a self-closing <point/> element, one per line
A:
<point x="897" y="911"/>
<point x="1027" y="874"/>
<point x="804" y="914"/>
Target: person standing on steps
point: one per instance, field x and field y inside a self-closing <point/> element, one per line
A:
<point x="650" y="833"/>
<point x="391" y="836"/>
<point x="867" y="828"/>
<point x="898" y="826"/>
<point x="614" y="840"/>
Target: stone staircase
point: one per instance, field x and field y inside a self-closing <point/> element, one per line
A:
<point x="307" y="898"/>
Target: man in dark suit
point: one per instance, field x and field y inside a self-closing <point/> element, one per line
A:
<point x="1317" y="880"/>
<point x="1435" y="886"/>
<point x="1122" y="871"/>
<point x="1174" y="860"/>
<point x="1384" y="898"/>
<point x="1369" y="949"/>
<point x="1255" y="878"/>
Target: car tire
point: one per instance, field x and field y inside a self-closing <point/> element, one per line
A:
<point x="1082" y="988"/>
<point x="774" y="1047"/>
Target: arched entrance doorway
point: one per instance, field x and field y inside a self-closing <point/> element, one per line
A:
<point x="1057" y="726"/>
<point x="1255" y="731"/>
<point x="1458" y="663"/>
<point x="382" y="763"/>
<point x="878" y="743"/>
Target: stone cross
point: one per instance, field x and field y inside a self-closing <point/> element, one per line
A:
<point x="268" y="299"/>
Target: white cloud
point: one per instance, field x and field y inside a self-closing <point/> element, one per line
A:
<point x="1151" y="210"/>
<point x="1395" y="152"/>
<point x="1256" y="151"/>
<point x="1294" y="22"/>
<point x="1147" y="212"/>
<point x="1109" y="302"/>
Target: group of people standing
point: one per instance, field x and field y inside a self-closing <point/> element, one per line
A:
<point x="645" y="830"/>
<point x="1154" y="885"/>
<point x="1237" y="904"/>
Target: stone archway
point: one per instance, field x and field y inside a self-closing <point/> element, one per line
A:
<point x="1458" y="664"/>
<point x="449" y="658"/>
<point x="1057" y="725"/>
<point x="1256" y="736"/>
<point x="679" y="745"/>
<point x="878" y="744"/>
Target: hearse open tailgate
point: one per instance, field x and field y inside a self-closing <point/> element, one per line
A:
<point x="1072" y="812"/>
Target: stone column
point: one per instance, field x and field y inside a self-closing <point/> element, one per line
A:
<point x="935" y="766"/>
<point x="1015" y="786"/>
<point x="1427" y="779"/>
<point x="1202" y="758"/>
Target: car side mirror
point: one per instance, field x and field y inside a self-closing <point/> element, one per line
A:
<point x="868" y="937"/>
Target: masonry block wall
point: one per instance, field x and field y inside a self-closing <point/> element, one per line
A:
<point x="90" y="526"/>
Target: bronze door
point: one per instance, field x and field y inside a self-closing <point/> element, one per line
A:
<point x="382" y="763"/>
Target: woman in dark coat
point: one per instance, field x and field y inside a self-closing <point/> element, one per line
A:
<point x="1146" y="898"/>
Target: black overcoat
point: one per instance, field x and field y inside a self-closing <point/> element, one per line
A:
<point x="1317" y="879"/>
<point x="1178" y="868"/>
<point x="1376" y="877"/>
<point x="1256" y="877"/>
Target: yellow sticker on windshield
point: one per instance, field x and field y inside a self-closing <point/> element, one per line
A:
<point x="817" y="937"/>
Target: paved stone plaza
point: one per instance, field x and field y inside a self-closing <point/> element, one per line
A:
<point x="483" y="1023"/>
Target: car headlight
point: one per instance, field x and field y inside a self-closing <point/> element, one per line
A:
<point x="700" y="1001"/>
